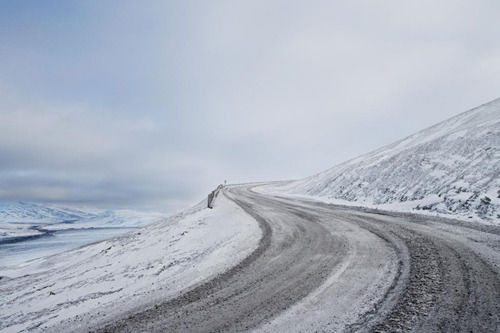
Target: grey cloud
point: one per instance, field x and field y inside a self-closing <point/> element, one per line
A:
<point x="152" y="105"/>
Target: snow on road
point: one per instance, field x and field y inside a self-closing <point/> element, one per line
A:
<point x="268" y="264"/>
<point x="270" y="261"/>
<point x="127" y="273"/>
<point x="324" y="268"/>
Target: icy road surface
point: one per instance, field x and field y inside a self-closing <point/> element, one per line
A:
<point x="323" y="268"/>
<point x="312" y="267"/>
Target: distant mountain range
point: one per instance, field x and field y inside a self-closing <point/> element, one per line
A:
<point x="28" y="212"/>
<point x="34" y="213"/>
<point x="20" y="220"/>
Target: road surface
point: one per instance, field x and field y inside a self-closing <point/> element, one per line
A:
<point x="325" y="268"/>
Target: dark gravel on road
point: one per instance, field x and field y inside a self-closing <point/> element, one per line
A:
<point x="446" y="276"/>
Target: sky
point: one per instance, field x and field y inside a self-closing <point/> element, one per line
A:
<point x="151" y="104"/>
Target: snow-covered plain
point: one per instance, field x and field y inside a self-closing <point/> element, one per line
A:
<point x="452" y="169"/>
<point x="93" y="283"/>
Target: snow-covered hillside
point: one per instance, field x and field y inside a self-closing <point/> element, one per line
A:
<point x="92" y="283"/>
<point x="28" y="212"/>
<point x="451" y="168"/>
<point x="24" y="219"/>
<point x="34" y="213"/>
<point x="31" y="230"/>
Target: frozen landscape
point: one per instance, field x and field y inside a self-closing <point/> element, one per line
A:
<point x="249" y="166"/>
<point x="412" y="246"/>
<point x="29" y="230"/>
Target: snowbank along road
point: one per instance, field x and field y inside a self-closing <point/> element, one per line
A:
<point x="326" y="268"/>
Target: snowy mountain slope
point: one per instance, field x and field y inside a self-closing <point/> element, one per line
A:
<point x="451" y="168"/>
<point x="34" y="213"/>
<point x="25" y="219"/>
<point x="151" y="264"/>
<point x="27" y="212"/>
<point x="19" y="220"/>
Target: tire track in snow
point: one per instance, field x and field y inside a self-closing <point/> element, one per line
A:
<point x="294" y="257"/>
<point x="442" y="278"/>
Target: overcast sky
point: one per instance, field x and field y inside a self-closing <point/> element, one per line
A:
<point x="149" y="105"/>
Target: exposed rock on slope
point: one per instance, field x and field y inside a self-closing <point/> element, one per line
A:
<point x="451" y="168"/>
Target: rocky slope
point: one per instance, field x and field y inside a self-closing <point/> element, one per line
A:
<point x="450" y="168"/>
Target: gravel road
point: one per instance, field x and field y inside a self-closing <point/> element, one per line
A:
<point x="325" y="268"/>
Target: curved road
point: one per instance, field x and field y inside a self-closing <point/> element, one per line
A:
<point x="320" y="267"/>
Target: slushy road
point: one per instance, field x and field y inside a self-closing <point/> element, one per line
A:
<point x="325" y="268"/>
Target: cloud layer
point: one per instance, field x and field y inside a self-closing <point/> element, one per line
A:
<point x="150" y="105"/>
